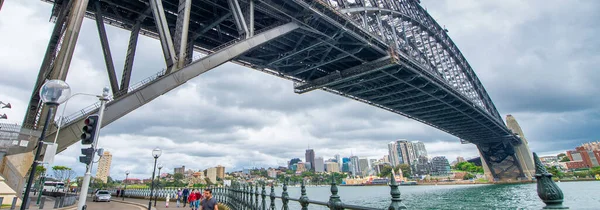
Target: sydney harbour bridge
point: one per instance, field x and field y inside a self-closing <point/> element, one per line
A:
<point x="390" y="54"/>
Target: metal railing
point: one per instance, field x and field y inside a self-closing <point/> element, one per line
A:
<point x="244" y="196"/>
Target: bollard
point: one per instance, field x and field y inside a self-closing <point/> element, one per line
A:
<point x="61" y="202"/>
<point x="547" y="190"/>
<point x="14" y="203"/>
<point x="334" y="203"/>
<point x="42" y="202"/>
<point x="55" y="204"/>
<point x="395" y="192"/>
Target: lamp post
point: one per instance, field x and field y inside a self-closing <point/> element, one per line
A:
<point x="156" y="152"/>
<point x="125" y="189"/>
<point x="52" y="93"/>
<point x="157" y="184"/>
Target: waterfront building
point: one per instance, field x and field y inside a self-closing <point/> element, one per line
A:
<point x="332" y="167"/>
<point x="354" y="165"/>
<point x="300" y="167"/>
<point x="386" y="159"/>
<point x="363" y="165"/>
<point x="393" y="156"/>
<point x="423" y="166"/>
<point x="590" y="158"/>
<point x="592" y="146"/>
<point x="272" y="173"/>
<point x="338" y="160"/>
<point x="440" y="166"/>
<point x="104" y="167"/>
<point x="319" y="167"/>
<point x="419" y="149"/>
<point x="309" y="158"/>
<point x="180" y="170"/>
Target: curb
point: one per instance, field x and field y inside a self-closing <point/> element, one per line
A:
<point x="132" y="203"/>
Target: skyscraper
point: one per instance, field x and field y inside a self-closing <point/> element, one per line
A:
<point x="354" y="165"/>
<point x="104" y="167"/>
<point x="393" y="155"/>
<point x="419" y="148"/>
<point x="319" y="167"/>
<point x="363" y="164"/>
<point x="310" y="158"/>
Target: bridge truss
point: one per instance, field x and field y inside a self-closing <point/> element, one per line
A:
<point x="389" y="54"/>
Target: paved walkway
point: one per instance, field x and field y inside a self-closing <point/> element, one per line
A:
<point x="114" y="205"/>
<point x="160" y="205"/>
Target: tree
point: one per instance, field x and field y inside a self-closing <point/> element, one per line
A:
<point x="555" y="171"/>
<point x="563" y="158"/>
<point x="386" y="171"/>
<point x="178" y="177"/>
<point x="406" y="171"/>
<point x="63" y="173"/>
<point x="39" y="170"/>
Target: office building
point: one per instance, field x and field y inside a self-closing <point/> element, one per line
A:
<point x="419" y="149"/>
<point x="310" y="158"/>
<point x="180" y="170"/>
<point x="319" y="165"/>
<point x="332" y="167"/>
<point x="363" y="165"/>
<point x="220" y="172"/>
<point x="440" y="166"/>
<point x="393" y="155"/>
<point x="104" y="167"/>
<point x="211" y="174"/>
<point x="354" y="165"/>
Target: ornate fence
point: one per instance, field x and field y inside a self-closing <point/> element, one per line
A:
<point x="244" y="196"/>
<point x="247" y="196"/>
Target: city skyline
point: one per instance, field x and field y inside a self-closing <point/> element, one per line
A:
<point x="241" y="118"/>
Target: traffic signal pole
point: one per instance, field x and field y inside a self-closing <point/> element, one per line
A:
<point x="88" y="173"/>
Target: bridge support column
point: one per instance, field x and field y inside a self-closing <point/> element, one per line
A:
<point x="501" y="162"/>
<point x="165" y="35"/>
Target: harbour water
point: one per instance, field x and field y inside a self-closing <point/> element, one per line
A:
<point x="578" y="195"/>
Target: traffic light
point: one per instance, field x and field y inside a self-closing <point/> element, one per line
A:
<point x="87" y="158"/>
<point x="89" y="129"/>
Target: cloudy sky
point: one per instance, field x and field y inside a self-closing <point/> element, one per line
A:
<point x="537" y="59"/>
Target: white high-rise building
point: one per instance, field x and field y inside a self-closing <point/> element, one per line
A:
<point x="319" y="167"/>
<point x="419" y="148"/>
<point x="355" y="165"/>
<point x="393" y="155"/>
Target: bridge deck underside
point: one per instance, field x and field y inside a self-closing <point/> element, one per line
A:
<point x="324" y="46"/>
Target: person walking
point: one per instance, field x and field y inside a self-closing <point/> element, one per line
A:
<point x="185" y="194"/>
<point x="167" y="201"/>
<point x="198" y="199"/>
<point x="209" y="203"/>
<point x="178" y="196"/>
<point x="192" y="199"/>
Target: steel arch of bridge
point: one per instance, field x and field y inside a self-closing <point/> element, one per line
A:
<point x="389" y="54"/>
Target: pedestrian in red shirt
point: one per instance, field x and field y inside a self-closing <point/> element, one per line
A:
<point x="192" y="199"/>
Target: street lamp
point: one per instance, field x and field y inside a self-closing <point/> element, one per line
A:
<point x="156" y="152"/>
<point x="125" y="189"/>
<point x="52" y="93"/>
<point x="158" y="184"/>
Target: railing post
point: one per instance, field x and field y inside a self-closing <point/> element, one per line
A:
<point x="284" y="195"/>
<point x="256" y="193"/>
<point x="272" y="196"/>
<point x="547" y="190"/>
<point x="303" y="197"/>
<point x="335" y="203"/>
<point x="395" y="192"/>
<point x="263" y="195"/>
<point x="251" y="196"/>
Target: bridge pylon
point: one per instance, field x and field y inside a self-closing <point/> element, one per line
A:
<point x="508" y="161"/>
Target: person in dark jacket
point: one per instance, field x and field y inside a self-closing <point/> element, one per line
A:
<point x="185" y="193"/>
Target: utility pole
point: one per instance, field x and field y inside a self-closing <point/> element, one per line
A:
<point x="88" y="173"/>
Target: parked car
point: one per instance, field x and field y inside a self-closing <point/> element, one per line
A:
<point x="101" y="195"/>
